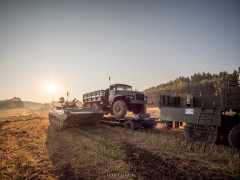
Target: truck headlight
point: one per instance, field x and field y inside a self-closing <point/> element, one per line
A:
<point x="132" y="97"/>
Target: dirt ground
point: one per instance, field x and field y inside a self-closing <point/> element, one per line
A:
<point x="31" y="149"/>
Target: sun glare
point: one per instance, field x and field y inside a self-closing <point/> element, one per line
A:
<point x="51" y="88"/>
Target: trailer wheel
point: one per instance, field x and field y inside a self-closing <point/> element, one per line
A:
<point x="234" y="137"/>
<point x="95" y="106"/>
<point x="88" y="105"/>
<point x="120" y="109"/>
<point x="148" y="126"/>
<point x="129" y="125"/>
<point x="189" y="132"/>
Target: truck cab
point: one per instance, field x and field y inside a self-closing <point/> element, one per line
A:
<point x="125" y="92"/>
<point x="118" y="90"/>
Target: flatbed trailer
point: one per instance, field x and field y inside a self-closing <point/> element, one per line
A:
<point x="135" y="122"/>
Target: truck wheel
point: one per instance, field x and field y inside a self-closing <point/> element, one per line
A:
<point x="129" y="125"/>
<point x="189" y="132"/>
<point x="120" y="109"/>
<point x="234" y="137"/>
<point x="88" y="105"/>
<point x="95" y="106"/>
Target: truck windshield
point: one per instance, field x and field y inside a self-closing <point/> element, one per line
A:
<point x="124" y="88"/>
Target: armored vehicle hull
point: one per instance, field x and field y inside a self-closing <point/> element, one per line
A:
<point x="62" y="118"/>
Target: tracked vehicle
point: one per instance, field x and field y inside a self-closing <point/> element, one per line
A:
<point x="70" y="114"/>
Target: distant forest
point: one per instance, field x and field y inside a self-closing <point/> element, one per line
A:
<point x="18" y="103"/>
<point x="11" y="103"/>
<point x="204" y="82"/>
<point x="32" y="105"/>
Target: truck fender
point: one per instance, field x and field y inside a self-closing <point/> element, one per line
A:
<point x="115" y="99"/>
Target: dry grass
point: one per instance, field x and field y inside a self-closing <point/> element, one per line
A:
<point x="31" y="149"/>
<point x="153" y="111"/>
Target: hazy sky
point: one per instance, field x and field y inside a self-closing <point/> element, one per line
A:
<point x="141" y="43"/>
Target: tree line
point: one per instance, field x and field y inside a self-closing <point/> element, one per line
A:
<point x="199" y="82"/>
<point x="11" y="103"/>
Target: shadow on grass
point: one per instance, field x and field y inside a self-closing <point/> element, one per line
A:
<point x="83" y="153"/>
<point x="58" y="153"/>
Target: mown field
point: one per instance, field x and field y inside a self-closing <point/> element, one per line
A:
<point x="31" y="149"/>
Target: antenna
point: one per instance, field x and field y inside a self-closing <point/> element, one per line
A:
<point x="50" y="84"/>
<point x="109" y="78"/>
<point x="68" y="90"/>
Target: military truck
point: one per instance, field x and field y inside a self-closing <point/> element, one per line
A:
<point x="206" y="116"/>
<point x="116" y="100"/>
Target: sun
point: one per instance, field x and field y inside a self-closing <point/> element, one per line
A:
<point x="51" y="88"/>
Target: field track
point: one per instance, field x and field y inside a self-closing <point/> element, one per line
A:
<point x="31" y="149"/>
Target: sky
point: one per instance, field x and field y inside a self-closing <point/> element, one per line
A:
<point x="135" y="42"/>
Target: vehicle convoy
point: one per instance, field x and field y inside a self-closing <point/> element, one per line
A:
<point x="116" y="100"/>
<point x="208" y="116"/>
<point x="69" y="114"/>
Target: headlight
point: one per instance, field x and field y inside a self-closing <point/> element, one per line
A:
<point x="145" y="98"/>
<point x="132" y="97"/>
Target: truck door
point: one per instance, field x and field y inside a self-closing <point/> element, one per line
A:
<point x="111" y="94"/>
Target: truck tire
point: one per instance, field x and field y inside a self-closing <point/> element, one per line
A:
<point x="120" y="109"/>
<point x="234" y="137"/>
<point x="129" y="125"/>
<point x="95" y="106"/>
<point x="88" y="105"/>
<point x="189" y="132"/>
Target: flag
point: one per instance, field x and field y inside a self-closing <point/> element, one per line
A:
<point x="109" y="78"/>
<point x="67" y="93"/>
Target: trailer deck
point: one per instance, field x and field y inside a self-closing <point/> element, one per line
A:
<point x="137" y="121"/>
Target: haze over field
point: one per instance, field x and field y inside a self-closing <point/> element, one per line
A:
<point x="141" y="43"/>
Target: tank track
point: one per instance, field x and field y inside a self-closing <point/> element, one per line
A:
<point x="57" y="123"/>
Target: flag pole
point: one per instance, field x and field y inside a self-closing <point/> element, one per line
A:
<point x="67" y="96"/>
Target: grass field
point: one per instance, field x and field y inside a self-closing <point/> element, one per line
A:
<point x="31" y="149"/>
